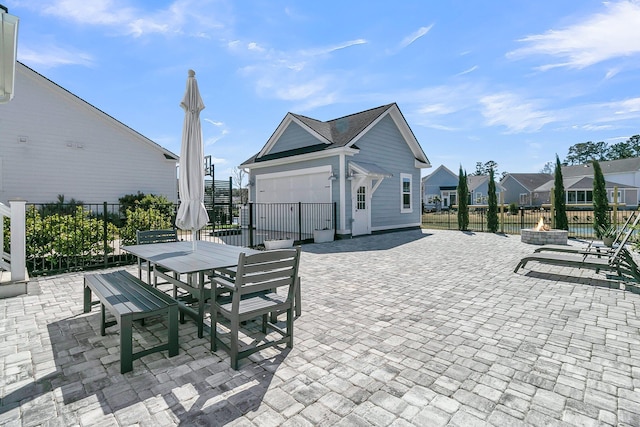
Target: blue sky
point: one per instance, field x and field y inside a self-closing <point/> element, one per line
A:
<point x="513" y="82"/>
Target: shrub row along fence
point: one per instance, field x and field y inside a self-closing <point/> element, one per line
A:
<point x="78" y="236"/>
<point x="580" y="220"/>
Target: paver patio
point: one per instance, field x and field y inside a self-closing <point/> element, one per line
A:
<point x="427" y="328"/>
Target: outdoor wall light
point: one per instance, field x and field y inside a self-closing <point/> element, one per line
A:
<point x="8" y="53"/>
<point x="333" y="176"/>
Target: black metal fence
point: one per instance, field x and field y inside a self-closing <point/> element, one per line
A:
<point x="511" y="222"/>
<point x="64" y="237"/>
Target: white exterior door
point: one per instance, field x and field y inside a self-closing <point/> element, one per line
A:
<point x="361" y="210"/>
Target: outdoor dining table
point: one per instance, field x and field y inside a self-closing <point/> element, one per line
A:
<point x="181" y="259"/>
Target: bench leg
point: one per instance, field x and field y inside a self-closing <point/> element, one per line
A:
<point x="173" y="330"/>
<point x="87" y="297"/>
<point x="103" y="318"/>
<point x="126" y="345"/>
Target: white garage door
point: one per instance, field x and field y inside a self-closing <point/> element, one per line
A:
<point x="277" y="200"/>
<point x="306" y="188"/>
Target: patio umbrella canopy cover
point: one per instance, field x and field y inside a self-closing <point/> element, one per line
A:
<point x="192" y="214"/>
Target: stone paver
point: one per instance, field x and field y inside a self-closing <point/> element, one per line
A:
<point x="407" y="328"/>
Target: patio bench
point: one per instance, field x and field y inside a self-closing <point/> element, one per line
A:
<point x="128" y="298"/>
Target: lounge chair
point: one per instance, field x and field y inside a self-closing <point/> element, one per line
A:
<point x="595" y="248"/>
<point x="620" y="262"/>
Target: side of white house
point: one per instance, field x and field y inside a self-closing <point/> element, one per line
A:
<point x="52" y="143"/>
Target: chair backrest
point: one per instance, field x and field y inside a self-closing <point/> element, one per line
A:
<point x="615" y="258"/>
<point x="624" y="230"/>
<point x="267" y="271"/>
<point x="144" y="237"/>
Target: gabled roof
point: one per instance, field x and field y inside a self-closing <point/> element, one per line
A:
<point x="530" y="181"/>
<point x="579" y="183"/>
<point x="475" y="181"/>
<point x="608" y="167"/>
<point x="34" y="74"/>
<point x="438" y="169"/>
<point x="342" y="132"/>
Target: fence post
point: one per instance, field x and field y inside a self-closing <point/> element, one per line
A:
<point x="230" y="206"/>
<point x="502" y="212"/>
<point x="521" y="217"/>
<point x="251" y="225"/>
<point x="299" y="221"/>
<point x="615" y="206"/>
<point x="18" y="240"/>
<point x="105" y="243"/>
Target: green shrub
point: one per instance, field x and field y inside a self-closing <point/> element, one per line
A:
<point x="143" y="219"/>
<point x="513" y="209"/>
<point x="58" y="236"/>
<point x="146" y="201"/>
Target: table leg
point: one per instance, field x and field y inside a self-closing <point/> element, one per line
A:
<point x="201" y="304"/>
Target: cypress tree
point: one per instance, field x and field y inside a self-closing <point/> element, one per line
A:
<point x="492" y="212"/>
<point x="560" y="212"/>
<point x="601" y="220"/>
<point x="463" y="201"/>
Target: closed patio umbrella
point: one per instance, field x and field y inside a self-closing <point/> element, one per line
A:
<point x="192" y="214"/>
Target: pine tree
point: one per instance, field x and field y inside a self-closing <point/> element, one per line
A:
<point x="492" y="212"/>
<point x="560" y="212"/>
<point x="463" y="201"/>
<point x="601" y="220"/>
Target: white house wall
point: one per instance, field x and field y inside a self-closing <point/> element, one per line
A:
<point x="53" y="143"/>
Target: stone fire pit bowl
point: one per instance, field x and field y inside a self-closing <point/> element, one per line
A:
<point x="541" y="237"/>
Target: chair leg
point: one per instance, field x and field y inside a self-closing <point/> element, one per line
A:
<point x="214" y="328"/>
<point x="290" y="326"/>
<point x="265" y="318"/>
<point x="233" y="348"/>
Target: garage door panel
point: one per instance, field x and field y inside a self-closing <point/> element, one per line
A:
<point x="308" y="188"/>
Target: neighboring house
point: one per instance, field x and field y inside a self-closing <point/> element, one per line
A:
<point x="52" y="143"/>
<point x="478" y="186"/>
<point x="579" y="192"/>
<point x="519" y="188"/>
<point x="439" y="189"/>
<point x="368" y="163"/>
<point x="623" y="171"/>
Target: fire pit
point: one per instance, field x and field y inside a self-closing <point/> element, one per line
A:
<point x="543" y="235"/>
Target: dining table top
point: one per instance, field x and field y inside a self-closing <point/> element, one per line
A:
<point x="183" y="259"/>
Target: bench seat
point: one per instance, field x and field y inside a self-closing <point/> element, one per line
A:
<point x="128" y="298"/>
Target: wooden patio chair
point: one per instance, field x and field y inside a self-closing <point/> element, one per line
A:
<point x="253" y="293"/>
<point x="145" y="237"/>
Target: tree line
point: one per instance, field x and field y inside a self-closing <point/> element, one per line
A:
<point x="578" y="154"/>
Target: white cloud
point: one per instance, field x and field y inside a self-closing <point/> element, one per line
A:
<point x="189" y="17"/>
<point x="415" y="36"/>
<point x="467" y="71"/>
<point x="438" y="109"/>
<point x="217" y="124"/>
<point x="329" y="49"/>
<point x="516" y="114"/>
<point x="49" y="56"/>
<point x="613" y="33"/>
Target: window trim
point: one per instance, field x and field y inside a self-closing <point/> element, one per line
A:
<point x="404" y="176"/>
